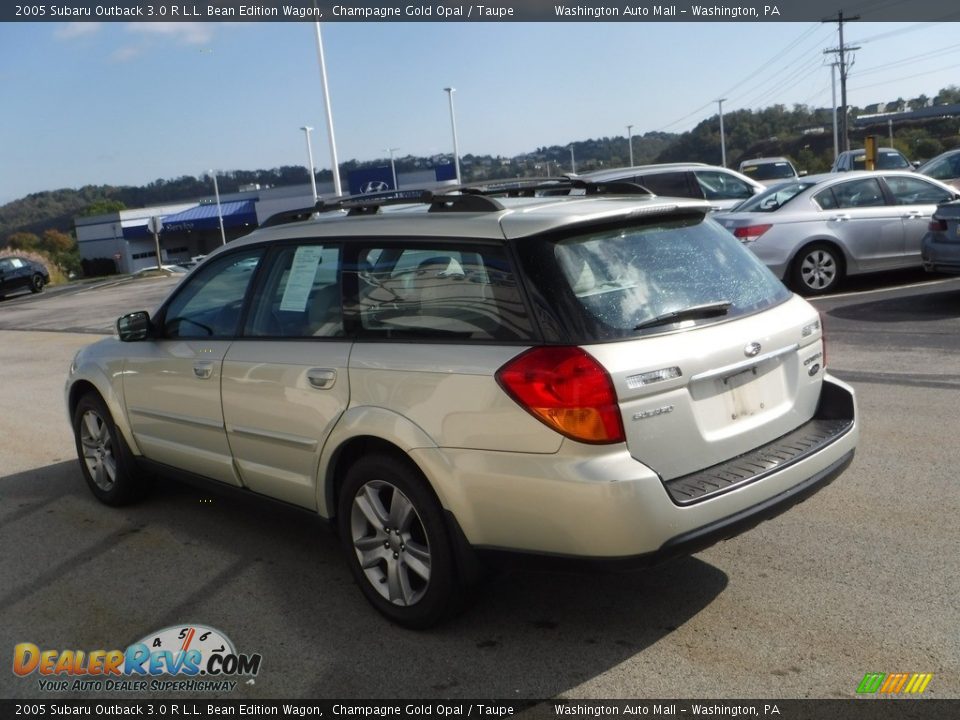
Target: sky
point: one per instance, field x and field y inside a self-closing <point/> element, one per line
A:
<point x="130" y="103"/>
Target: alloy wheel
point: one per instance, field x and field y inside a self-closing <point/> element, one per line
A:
<point x="391" y="543"/>
<point x="98" y="453"/>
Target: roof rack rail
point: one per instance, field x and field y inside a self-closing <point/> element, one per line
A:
<point x="460" y="198"/>
<point x="290" y="216"/>
<point x="555" y="185"/>
<point x="370" y="204"/>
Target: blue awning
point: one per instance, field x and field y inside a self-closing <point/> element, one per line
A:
<point x="237" y="213"/>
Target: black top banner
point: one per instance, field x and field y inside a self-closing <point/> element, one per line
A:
<point x="496" y="11"/>
<point x="492" y="709"/>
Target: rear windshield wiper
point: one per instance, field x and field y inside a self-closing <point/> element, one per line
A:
<point x="693" y="312"/>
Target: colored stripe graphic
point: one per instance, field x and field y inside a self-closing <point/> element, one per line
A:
<point x="918" y="683"/>
<point x="893" y="683"/>
<point x="871" y="682"/>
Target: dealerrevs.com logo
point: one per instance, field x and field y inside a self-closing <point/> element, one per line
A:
<point x="179" y="658"/>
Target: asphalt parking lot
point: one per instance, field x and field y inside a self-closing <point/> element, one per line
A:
<point x="860" y="578"/>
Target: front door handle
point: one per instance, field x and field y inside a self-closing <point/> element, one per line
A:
<point x="203" y="369"/>
<point x="840" y="218"/>
<point x="321" y="378"/>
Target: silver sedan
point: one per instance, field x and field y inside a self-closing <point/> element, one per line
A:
<point x="814" y="231"/>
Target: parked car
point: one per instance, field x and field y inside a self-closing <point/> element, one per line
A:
<point x="940" y="247"/>
<point x="944" y="167"/>
<point x="612" y="379"/>
<point x="19" y="274"/>
<point x="769" y="169"/>
<point x="814" y="231"/>
<point x="887" y="159"/>
<point x="723" y="188"/>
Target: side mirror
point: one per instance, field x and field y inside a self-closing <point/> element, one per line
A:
<point x="801" y="173"/>
<point x="134" y="326"/>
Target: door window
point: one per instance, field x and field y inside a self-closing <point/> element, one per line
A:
<point x="669" y="184"/>
<point x="437" y="292"/>
<point x="210" y="302"/>
<point x="865" y="192"/>
<point x="300" y="297"/>
<point x="722" y="186"/>
<point x="914" y="191"/>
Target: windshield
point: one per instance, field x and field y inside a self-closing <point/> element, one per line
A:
<point x="773" y="198"/>
<point x="769" y="171"/>
<point x="886" y="160"/>
<point x="623" y="282"/>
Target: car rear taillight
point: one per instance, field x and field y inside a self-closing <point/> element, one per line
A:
<point x="937" y="225"/>
<point x="751" y="232"/>
<point x="566" y="389"/>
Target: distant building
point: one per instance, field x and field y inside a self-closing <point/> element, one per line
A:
<point x="192" y="227"/>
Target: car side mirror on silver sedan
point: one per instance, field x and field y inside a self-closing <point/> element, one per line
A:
<point x="134" y="326"/>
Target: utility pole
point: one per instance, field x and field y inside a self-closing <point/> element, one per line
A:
<point x="841" y="53"/>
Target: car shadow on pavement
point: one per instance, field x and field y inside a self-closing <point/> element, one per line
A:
<point x="272" y="578"/>
<point x="924" y="305"/>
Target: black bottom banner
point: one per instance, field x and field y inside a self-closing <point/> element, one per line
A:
<point x="853" y="709"/>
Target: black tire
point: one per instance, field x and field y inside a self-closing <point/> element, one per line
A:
<point x="105" y="458"/>
<point x="36" y="283"/>
<point x="409" y="576"/>
<point x="817" y="269"/>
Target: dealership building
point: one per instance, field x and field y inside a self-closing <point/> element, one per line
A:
<point x="191" y="228"/>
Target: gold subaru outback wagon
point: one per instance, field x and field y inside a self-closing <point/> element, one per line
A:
<point x="605" y="376"/>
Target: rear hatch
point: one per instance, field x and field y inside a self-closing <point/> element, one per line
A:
<point x="693" y="399"/>
<point x="710" y="355"/>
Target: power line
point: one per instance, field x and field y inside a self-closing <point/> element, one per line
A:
<point x="887" y="81"/>
<point x="763" y="67"/>
<point x="910" y="59"/>
<point x="782" y="83"/>
<point x="768" y="63"/>
<point x="894" y="33"/>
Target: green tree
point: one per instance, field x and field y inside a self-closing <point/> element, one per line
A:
<point x="102" y="206"/>
<point x="56" y="242"/>
<point x="949" y="95"/>
<point x="23" y="241"/>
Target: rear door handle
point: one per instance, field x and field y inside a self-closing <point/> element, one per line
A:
<point x="203" y="369"/>
<point x="321" y="378"/>
<point x="840" y="218"/>
<point x="913" y="215"/>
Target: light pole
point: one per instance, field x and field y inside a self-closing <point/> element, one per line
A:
<point x="833" y="94"/>
<point x="216" y="193"/>
<point x="393" y="167"/>
<point x="573" y="162"/>
<point x="326" y="102"/>
<point x="313" y="179"/>
<point x="453" y="124"/>
<point x="723" y="142"/>
<point x="630" y="142"/>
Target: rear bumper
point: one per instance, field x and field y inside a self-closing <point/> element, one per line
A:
<point x="940" y="257"/>
<point x="599" y="505"/>
<point x="680" y="545"/>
